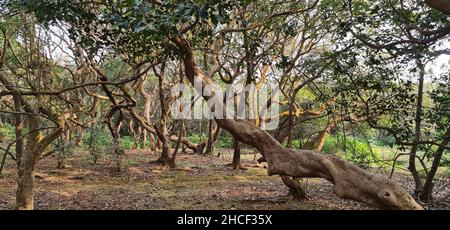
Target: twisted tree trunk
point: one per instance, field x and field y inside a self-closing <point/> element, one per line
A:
<point x="441" y="5"/>
<point x="350" y="182"/>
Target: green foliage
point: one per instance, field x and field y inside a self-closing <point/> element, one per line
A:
<point x="360" y="153"/>
<point x="385" y="140"/>
<point x="100" y="144"/>
<point x="7" y="131"/>
<point x="134" y="28"/>
<point x="296" y="144"/>
<point x="97" y="137"/>
<point x="195" y="138"/>
<point x="62" y="150"/>
<point x="96" y="141"/>
<point x="331" y="145"/>
<point x="225" y="142"/>
<point x="116" y="153"/>
<point x="126" y="142"/>
<point x="357" y="151"/>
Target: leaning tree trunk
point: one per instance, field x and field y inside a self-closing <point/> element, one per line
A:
<point x="350" y="181"/>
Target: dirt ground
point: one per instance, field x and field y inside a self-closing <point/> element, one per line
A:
<point x="199" y="182"/>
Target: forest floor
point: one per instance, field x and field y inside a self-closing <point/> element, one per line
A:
<point x="199" y="182"/>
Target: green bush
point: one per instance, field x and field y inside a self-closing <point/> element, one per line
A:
<point x="357" y="151"/>
<point x="97" y="142"/>
<point x="225" y="142"/>
<point x="63" y="150"/>
<point x="126" y="142"/>
<point x="7" y="131"/>
<point x="195" y="138"/>
<point x="383" y="141"/>
<point x="98" y="137"/>
<point x="296" y="144"/>
<point x="331" y="145"/>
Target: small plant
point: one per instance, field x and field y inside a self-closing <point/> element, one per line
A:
<point x="331" y="145"/>
<point x="7" y="132"/>
<point x="296" y="144"/>
<point x="62" y="150"/>
<point x="96" y="143"/>
<point x="127" y="142"/>
<point x="117" y="153"/>
<point x="225" y="142"/>
<point x="196" y="138"/>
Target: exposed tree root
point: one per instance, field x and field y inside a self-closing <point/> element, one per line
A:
<point x="295" y="188"/>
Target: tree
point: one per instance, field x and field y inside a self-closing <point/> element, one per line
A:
<point x="401" y="42"/>
<point x="162" y="30"/>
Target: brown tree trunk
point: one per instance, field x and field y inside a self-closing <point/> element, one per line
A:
<point x="236" y="164"/>
<point x="290" y="125"/>
<point x="114" y="129"/>
<point x="441" y="5"/>
<point x="34" y="148"/>
<point x="210" y="138"/>
<point x="19" y="129"/>
<point x="162" y="129"/>
<point x="418" y="120"/>
<point x="214" y="137"/>
<point x="28" y="157"/>
<point x="295" y="189"/>
<point x="427" y="193"/>
<point x="25" y="184"/>
<point x="172" y="163"/>
<point x="349" y="181"/>
<point x="147" y="103"/>
<point x="62" y="157"/>
<point x="80" y="132"/>
<point x="322" y="137"/>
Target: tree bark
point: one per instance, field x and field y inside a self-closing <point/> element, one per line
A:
<point x="172" y="163"/>
<point x="35" y="146"/>
<point x="295" y="189"/>
<point x="322" y="137"/>
<point x="210" y="138"/>
<point x="418" y="122"/>
<point x="349" y="181"/>
<point x="441" y="5"/>
<point x="25" y="185"/>
<point x="236" y="164"/>
<point x="215" y="137"/>
<point x="162" y="129"/>
<point x="147" y="103"/>
<point x="290" y="124"/>
<point x="427" y="194"/>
